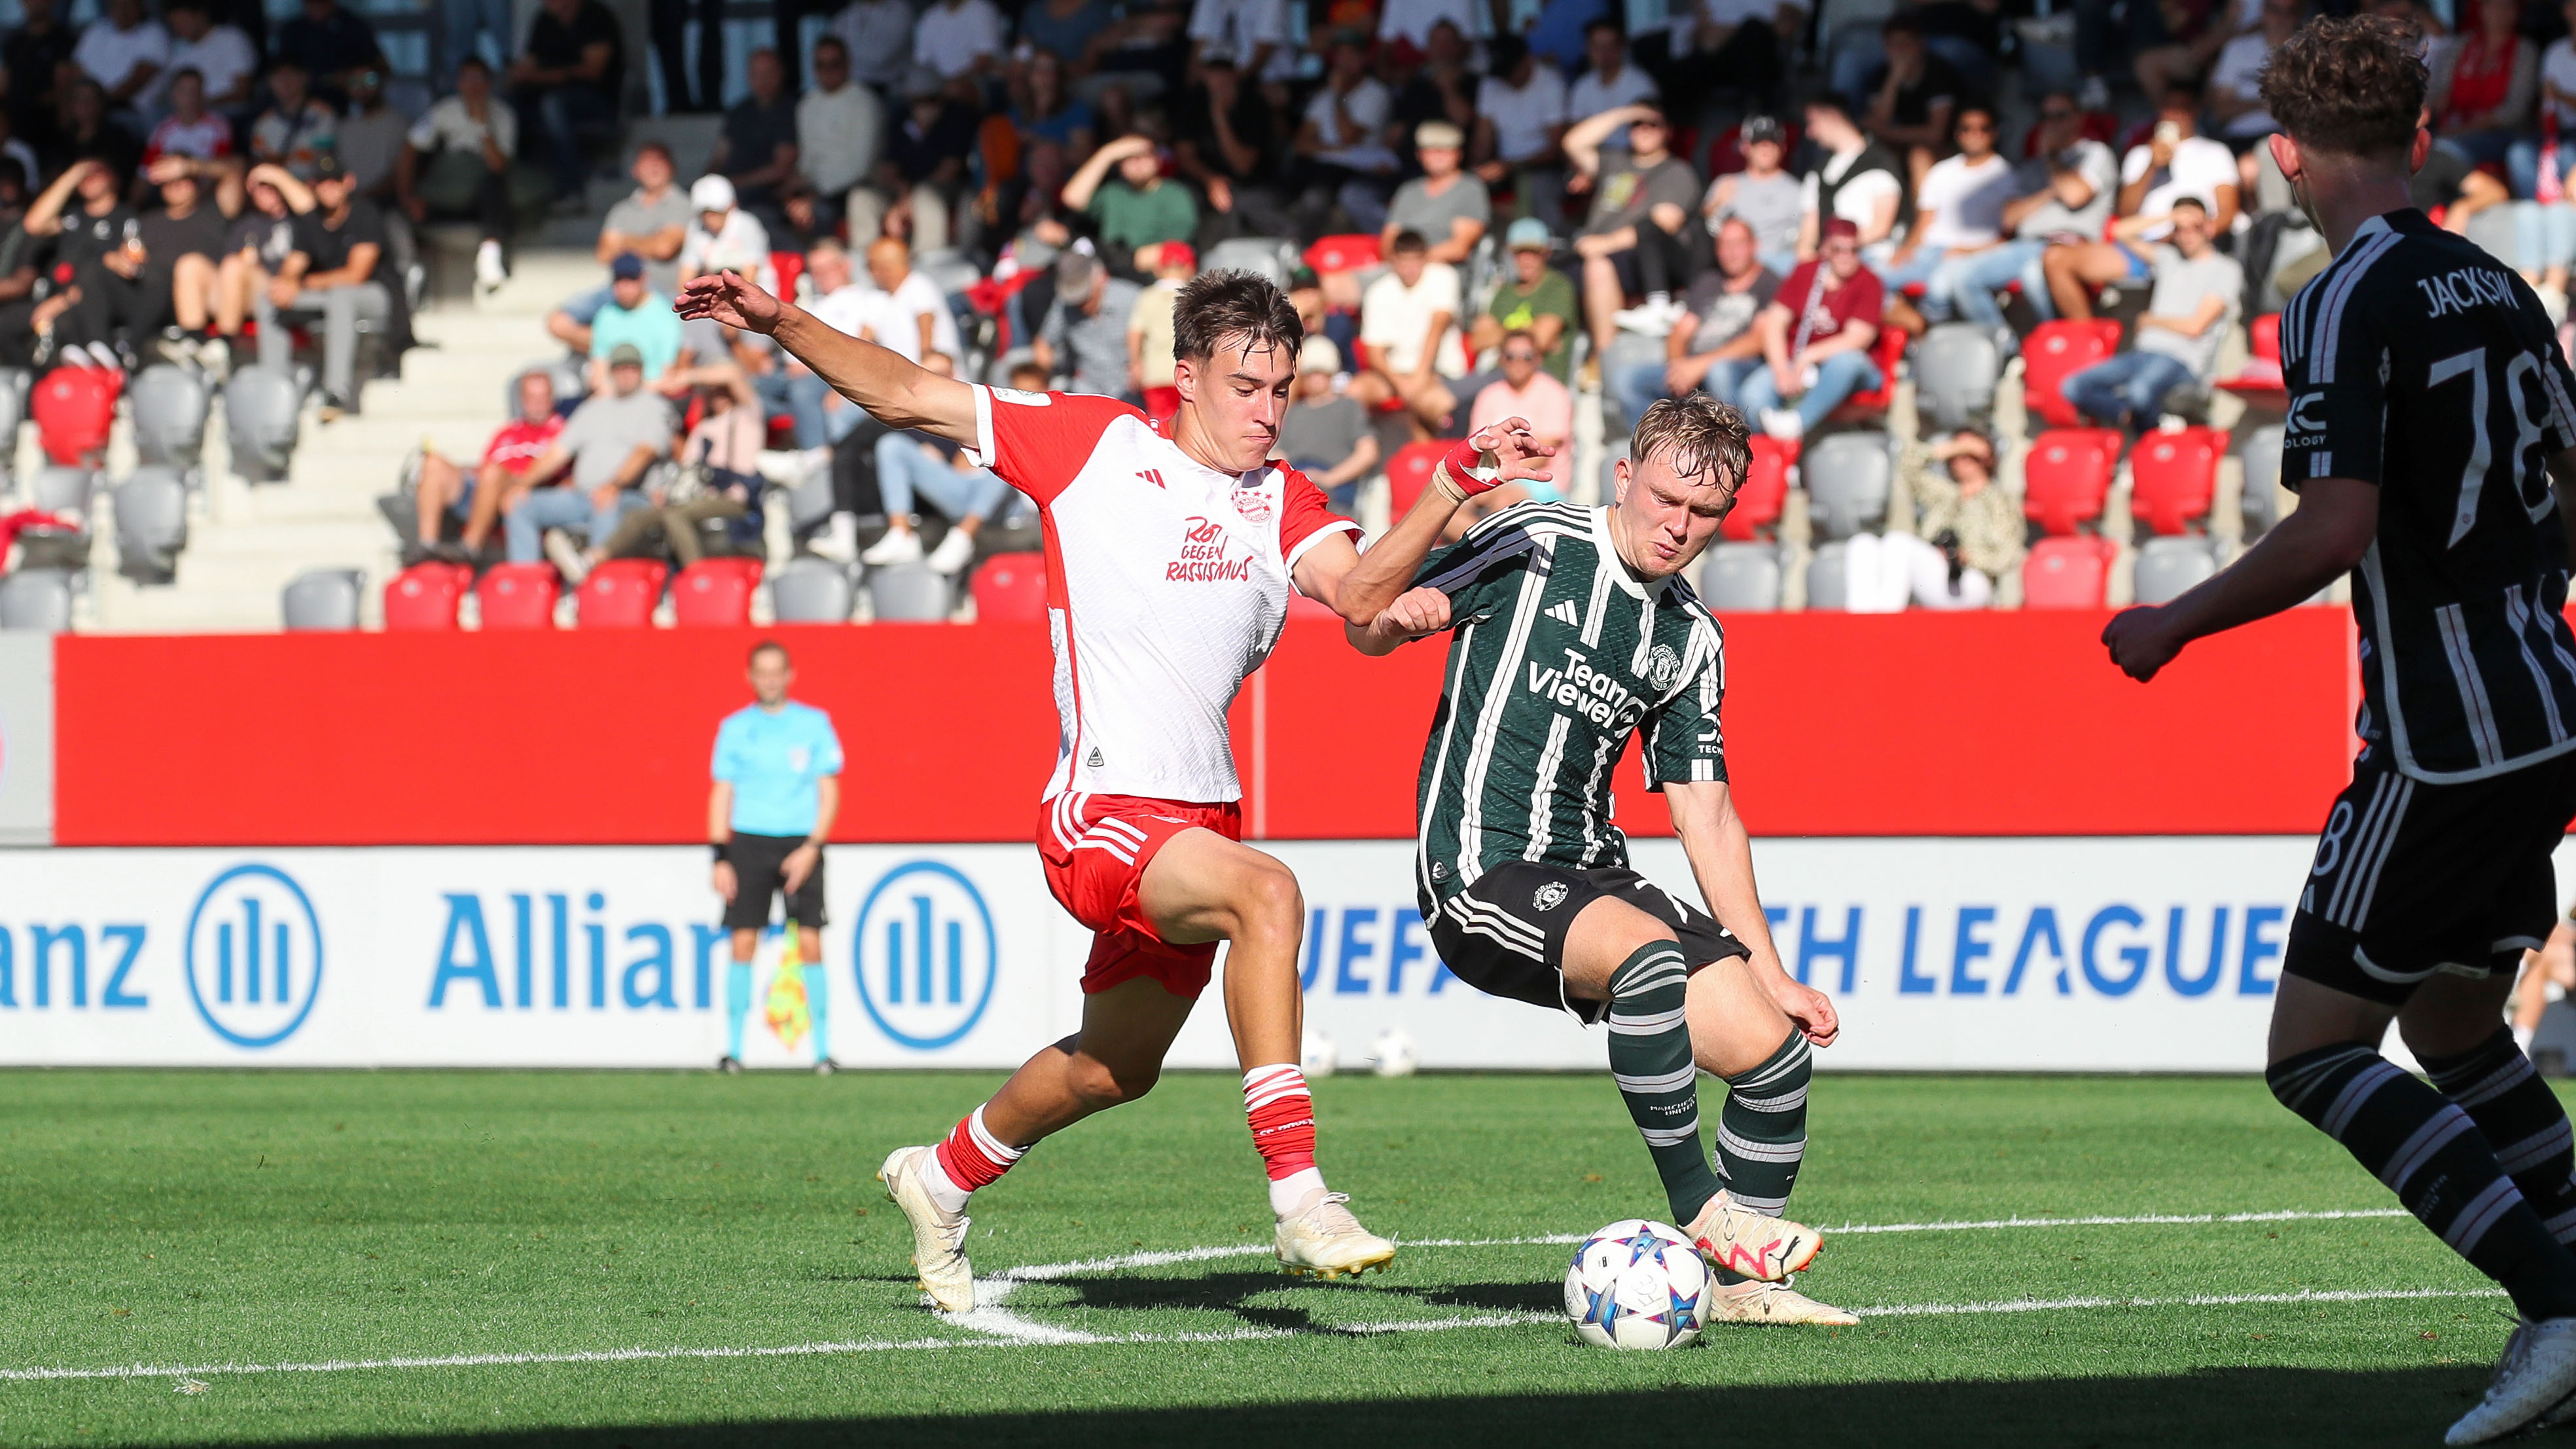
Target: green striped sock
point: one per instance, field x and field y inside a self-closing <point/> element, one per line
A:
<point x="1762" y="1132"/>
<point x="1650" y="1059"/>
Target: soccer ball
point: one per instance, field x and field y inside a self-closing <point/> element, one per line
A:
<point x="1394" y="1055"/>
<point x="1637" y="1284"/>
<point x="1317" y="1055"/>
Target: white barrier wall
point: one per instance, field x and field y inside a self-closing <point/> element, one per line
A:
<point x="2047" y="954"/>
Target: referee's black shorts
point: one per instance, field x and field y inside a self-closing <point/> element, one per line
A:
<point x="1505" y="933"/>
<point x="758" y="878"/>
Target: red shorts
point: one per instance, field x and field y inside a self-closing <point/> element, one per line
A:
<point x="1096" y="848"/>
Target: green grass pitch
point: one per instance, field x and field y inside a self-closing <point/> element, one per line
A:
<point x="326" y="1228"/>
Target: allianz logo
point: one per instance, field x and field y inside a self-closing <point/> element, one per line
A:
<point x="251" y="958"/>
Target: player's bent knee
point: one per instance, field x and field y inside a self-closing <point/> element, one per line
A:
<point x="1099" y="1086"/>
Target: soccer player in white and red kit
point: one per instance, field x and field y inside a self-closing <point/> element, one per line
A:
<point x="1170" y="553"/>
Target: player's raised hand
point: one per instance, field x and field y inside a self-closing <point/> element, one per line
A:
<point x="1413" y="614"/>
<point x="1810" y="1010"/>
<point x="1516" y="455"/>
<point x="2139" y="642"/>
<point x="727" y="298"/>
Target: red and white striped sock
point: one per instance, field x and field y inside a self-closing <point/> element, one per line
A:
<point x="1282" y="1113"/>
<point x="972" y="1157"/>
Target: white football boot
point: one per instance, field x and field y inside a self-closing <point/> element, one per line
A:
<point x="2535" y="1377"/>
<point x="1754" y="1301"/>
<point x="1740" y="1240"/>
<point x="938" y="1238"/>
<point x="1321" y="1238"/>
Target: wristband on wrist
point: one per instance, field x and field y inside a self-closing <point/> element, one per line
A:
<point x="1455" y="474"/>
<point x="722" y="849"/>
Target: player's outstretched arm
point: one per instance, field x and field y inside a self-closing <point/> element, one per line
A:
<point x="1361" y="586"/>
<point x="896" y="392"/>
<point x="1419" y="612"/>
<point x="1721" y="860"/>
<point x="2318" y="543"/>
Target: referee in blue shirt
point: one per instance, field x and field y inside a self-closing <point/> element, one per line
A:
<point x="777" y="786"/>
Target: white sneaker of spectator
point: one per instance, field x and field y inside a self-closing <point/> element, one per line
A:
<point x="839" y="541"/>
<point x="489" y="270"/>
<point x="899" y="546"/>
<point x="1654" y="317"/>
<point x="953" y="554"/>
<point x="1784" y="424"/>
<point x="567" y="559"/>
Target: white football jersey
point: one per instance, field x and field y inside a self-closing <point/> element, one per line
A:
<point x="1167" y="584"/>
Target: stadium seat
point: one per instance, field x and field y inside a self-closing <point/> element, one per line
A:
<point x="260" y="421"/>
<point x="64" y="488"/>
<point x="1848" y="476"/>
<point x="74" y="408"/>
<point x="810" y="504"/>
<point x="1829" y="577"/>
<point x="1956" y="366"/>
<point x="169" y="406"/>
<point x="1270" y="256"/>
<point x="37" y="600"/>
<point x="2054" y="351"/>
<point x="620" y="594"/>
<point x="2261" y="456"/>
<point x="323" y="600"/>
<point x="1740" y="577"/>
<point x="2067" y="477"/>
<point x="1765" y="490"/>
<point x="1347" y="253"/>
<point x="2173" y="476"/>
<point x="151" y="508"/>
<point x="2067" y="573"/>
<point x="2261" y="376"/>
<point x="1012" y="588"/>
<point x="715" y="591"/>
<point x="2167" y="566"/>
<point x="425" y="596"/>
<point x="1889" y="353"/>
<point x="1408" y="473"/>
<point x="910" y="594"/>
<point x="519" y="596"/>
<point x="810" y="591"/>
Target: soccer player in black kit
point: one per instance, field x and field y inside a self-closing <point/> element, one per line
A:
<point x="2429" y="416"/>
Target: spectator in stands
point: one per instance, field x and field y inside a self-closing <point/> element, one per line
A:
<point x="1633" y="244"/>
<point x="2483" y="86"/>
<point x="566" y="82"/>
<point x="2173" y="164"/>
<point x="1739" y="45"/>
<point x="914" y="466"/>
<point x="1611" y="80"/>
<point x="959" y="37"/>
<point x="1526" y="391"/>
<point x="1228" y="140"/>
<point x="1521" y="120"/>
<point x="921" y="177"/>
<point x="84" y="214"/>
<point x="1958" y="208"/>
<point x="1859" y="181"/>
<point x="34" y="57"/>
<point x="719" y="478"/>
<point x="822" y="417"/>
<point x="444" y="489"/>
<point x="1325" y="434"/>
<point x="1443" y="89"/>
<point x="652" y="223"/>
<point x="906" y="312"/>
<point x="1150" y="328"/>
<point x="1764" y="195"/>
<point x="1717" y="345"/>
<point x="461" y="162"/>
<point x="1449" y="207"/>
<point x="595" y="465"/>
<point x="183" y="244"/>
<point x="84" y="131"/>
<point x="1816" y="338"/>
<point x="372" y="139"/>
<point x="878" y="34"/>
<point x="2235" y="91"/>
<point x="332" y="43"/>
<point x="839" y="128"/>
<point x="1914" y="97"/>
<point x="1406" y="25"/>
<point x="669" y="22"/>
<point x="257" y="245"/>
<point x="125" y="51"/>
<point x="223" y="58"/>
<point x="466" y="22"/>
<point x="1343" y="159"/>
<point x="12" y="148"/>
<point x="1084" y="334"/>
<point x="2062" y="196"/>
<point x="338" y="269"/>
<point x="757" y="149"/>
<point x="190" y="129"/>
<point x="722" y="236"/>
<point x="1406" y="321"/>
<point x="2197" y="292"/>
<point x="635" y="316"/>
<point x="2557" y="106"/>
<point x="1251" y="33"/>
<point x="1531" y="297"/>
<point x="1071" y="31"/>
<point x="1137" y="210"/>
<point x="1974" y="523"/>
<point x="296" y="130"/>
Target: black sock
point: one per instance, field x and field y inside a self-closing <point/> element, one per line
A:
<point x="2515" y="1110"/>
<point x="1762" y="1132"/>
<point x="1650" y="1059"/>
<point x="2430" y="1153"/>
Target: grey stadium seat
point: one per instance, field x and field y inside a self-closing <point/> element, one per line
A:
<point x="2167" y="566"/>
<point x="62" y="488"/>
<point x="1743" y="577"/>
<point x="811" y="591"/>
<point x="15" y="384"/>
<point x="910" y="594"/>
<point x="261" y="421"/>
<point x="1829" y="578"/>
<point x="323" y="599"/>
<point x="151" y="522"/>
<point x="1271" y="256"/>
<point x="2262" y="459"/>
<point x="1955" y="369"/>
<point x="169" y="408"/>
<point x="809" y="504"/>
<point x="1847" y="477"/>
<point x="36" y="599"/>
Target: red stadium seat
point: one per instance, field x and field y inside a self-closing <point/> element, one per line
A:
<point x="74" y="407"/>
<point x="2054" y="351"/>
<point x="1408" y="473"/>
<point x="1012" y="588"/>
<point x="2261" y="378"/>
<point x="715" y="591"/>
<point x="2067" y="476"/>
<point x="621" y="593"/>
<point x="520" y="596"/>
<point x="425" y="596"/>
<point x="788" y="266"/>
<point x="2067" y="573"/>
<point x="1766" y="488"/>
<point x="1347" y="253"/>
<point x="1888" y="352"/>
<point x="2173" y="477"/>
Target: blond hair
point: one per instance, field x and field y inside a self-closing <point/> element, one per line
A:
<point x="1698" y="436"/>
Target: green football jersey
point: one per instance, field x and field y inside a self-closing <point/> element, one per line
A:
<point x="1558" y="653"/>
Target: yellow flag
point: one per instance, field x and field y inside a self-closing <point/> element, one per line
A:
<point x="789" y="1016"/>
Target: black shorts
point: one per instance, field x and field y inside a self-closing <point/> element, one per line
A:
<point x="1505" y="934"/>
<point x="757" y="875"/>
<point x="2413" y="879"/>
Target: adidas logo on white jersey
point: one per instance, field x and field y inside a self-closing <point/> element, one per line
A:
<point x="1565" y="613"/>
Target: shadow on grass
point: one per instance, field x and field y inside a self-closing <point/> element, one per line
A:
<point x="2254" y="1407"/>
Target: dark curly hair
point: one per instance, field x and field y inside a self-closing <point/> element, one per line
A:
<point x="2352" y="86"/>
<point x="1233" y="309"/>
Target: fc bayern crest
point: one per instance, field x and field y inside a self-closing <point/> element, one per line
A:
<point x="1253" y="504"/>
<point x="1663" y="666"/>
